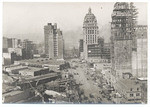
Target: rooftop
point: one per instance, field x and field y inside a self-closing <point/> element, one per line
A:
<point x="128" y="83"/>
<point x="43" y="61"/>
<point x="12" y="93"/>
<point x="32" y="69"/>
<point x="37" y="78"/>
<point x="17" y="67"/>
<point x="90" y="17"/>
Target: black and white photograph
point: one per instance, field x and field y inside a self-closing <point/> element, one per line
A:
<point x="74" y="52"/>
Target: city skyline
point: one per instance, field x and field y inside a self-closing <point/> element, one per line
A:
<point x="88" y="53"/>
<point x="65" y="16"/>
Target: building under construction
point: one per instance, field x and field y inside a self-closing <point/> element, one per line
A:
<point x="122" y="38"/>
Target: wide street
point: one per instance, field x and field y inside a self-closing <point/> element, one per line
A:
<point x="90" y="87"/>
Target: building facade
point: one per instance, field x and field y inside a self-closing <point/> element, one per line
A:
<point x="94" y="48"/>
<point x="11" y="48"/>
<point x="11" y="42"/>
<point x="130" y="91"/>
<point x="27" y="49"/>
<point x="54" y="42"/>
<point x="90" y="32"/>
<point x="139" y="56"/>
<point x="122" y="37"/>
<point x="81" y="48"/>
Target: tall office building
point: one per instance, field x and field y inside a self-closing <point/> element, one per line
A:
<point x="90" y="32"/>
<point x="93" y="48"/>
<point x="122" y="37"/>
<point x="54" y="43"/>
<point x="139" y="56"/>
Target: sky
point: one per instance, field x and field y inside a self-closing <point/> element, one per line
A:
<point x="26" y="20"/>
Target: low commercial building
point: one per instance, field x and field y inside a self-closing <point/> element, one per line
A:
<point x="8" y="66"/>
<point x="42" y="62"/>
<point x="144" y="84"/>
<point x="37" y="80"/>
<point x="15" y="69"/>
<point x="130" y="91"/>
<point x="32" y="71"/>
<point x="15" y="96"/>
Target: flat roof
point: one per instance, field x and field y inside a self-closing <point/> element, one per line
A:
<point x="32" y="69"/>
<point x="128" y="83"/>
<point x="17" y="67"/>
<point x="37" y="78"/>
<point x="8" y="66"/>
<point x="12" y="93"/>
<point x="43" y="61"/>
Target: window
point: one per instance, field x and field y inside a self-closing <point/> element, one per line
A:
<point x="131" y="95"/>
<point x="137" y="94"/>
<point x="137" y="89"/>
<point x="131" y="89"/>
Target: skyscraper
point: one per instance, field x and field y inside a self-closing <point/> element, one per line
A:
<point x="90" y="32"/>
<point x="54" y="43"/>
<point x="94" y="49"/>
<point x="122" y="38"/>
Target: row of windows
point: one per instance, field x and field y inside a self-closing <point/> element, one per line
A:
<point x="91" y="31"/>
<point x="94" y="55"/>
<point x="94" y="49"/>
<point x="87" y="25"/>
<point x="95" y="52"/>
<point x="91" y="38"/>
<point x="137" y="94"/>
<point x="120" y="25"/>
<point x="98" y="55"/>
<point x="90" y="42"/>
<point x="132" y="89"/>
<point x="120" y="12"/>
<point x="92" y="28"/>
